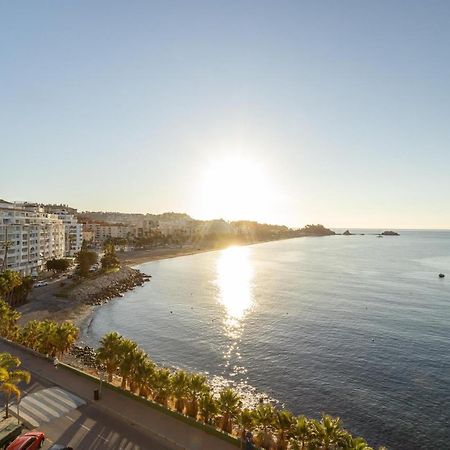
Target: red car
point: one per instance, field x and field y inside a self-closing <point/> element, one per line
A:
<point x="28" y="441"/>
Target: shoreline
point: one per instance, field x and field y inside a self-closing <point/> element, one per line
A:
<point x="136" y="257"/>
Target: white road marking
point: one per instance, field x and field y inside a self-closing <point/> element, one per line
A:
<point x="85" y="427"/>
<point x="47" y="404"/>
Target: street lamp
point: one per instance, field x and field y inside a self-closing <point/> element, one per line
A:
<point x="102" y="374"/>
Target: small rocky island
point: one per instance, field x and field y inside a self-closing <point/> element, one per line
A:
<point x="315" y="230"/>
<point x="389" y="233"/>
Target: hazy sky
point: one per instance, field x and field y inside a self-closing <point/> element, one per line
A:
<point x="338" y="111"/>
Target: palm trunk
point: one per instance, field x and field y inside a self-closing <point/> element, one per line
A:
<point x="7" y="406"/>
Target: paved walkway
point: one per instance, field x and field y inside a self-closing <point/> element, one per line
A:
<point x="171" y="431"/>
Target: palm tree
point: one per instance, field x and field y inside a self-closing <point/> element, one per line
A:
<point x="127" y="351"/>
<point x="196" y="386"/>
<point x="141" y="368"/>
<point x="29" y="334"/>
<point x="109" y="353"/>
<point x="264" y="419"/>
<point x="208" y="408"/>
<point x="246" y="422"/>
<point x="8" y="321"/>
<point x="148" y="375"/>
<point x="351" y="443"/>
<point x="329" y="432"/>
<point x="229" y="404"/>
<point x="64" y="336"/>
<point x="9" y="281"/>
<point x="161" y="385"/>
<point x="46" y="338"/>
<point x="179" y="383"/>
<point x="10" y="378"/>
<point x="283" y="423"/>
<point x="301" y="432"/>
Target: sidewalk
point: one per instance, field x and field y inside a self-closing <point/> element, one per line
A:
<point x="173" y="432"/>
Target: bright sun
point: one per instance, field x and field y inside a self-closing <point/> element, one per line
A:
<point x="233" y="188"/>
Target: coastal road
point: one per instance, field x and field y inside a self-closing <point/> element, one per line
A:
<point x="60" y="403"/>
<point x="81" y="427"/>
<point x="85" y="427"/>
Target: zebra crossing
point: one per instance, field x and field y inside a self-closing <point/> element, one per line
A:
<point x="47" y="404"/>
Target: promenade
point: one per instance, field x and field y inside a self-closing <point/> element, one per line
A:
<point x="163" y="431"/>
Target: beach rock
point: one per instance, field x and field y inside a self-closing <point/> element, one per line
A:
<point x="441" y="275"/>
<point x="390" y="233"/>
<point x="108" y="286"/>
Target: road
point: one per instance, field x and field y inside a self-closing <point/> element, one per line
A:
<point x="60" y="403"/>
<point x="86" y="427"/>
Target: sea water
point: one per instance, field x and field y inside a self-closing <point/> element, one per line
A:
<point x="355" y="326"/>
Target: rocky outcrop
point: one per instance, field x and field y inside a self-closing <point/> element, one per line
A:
<point x="85" y="355"/>
<point x="390" y="233"/>
<point x="107" y="286"/>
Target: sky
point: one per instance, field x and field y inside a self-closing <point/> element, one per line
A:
<point x="288" y="112"/>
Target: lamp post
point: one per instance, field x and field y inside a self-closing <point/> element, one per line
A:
<point x="102" y="378"/>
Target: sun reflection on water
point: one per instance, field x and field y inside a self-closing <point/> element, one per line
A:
<point x="234" y="280"/>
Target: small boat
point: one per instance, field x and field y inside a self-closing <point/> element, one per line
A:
<point x="441" y="275"/>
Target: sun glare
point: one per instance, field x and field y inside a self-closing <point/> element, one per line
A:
<point x="234" y="280"/>
<point x="232" y="189"/>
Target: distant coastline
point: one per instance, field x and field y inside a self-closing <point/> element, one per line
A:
<point x="135" y="257"/>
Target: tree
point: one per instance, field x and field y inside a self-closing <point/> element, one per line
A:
<point x="179" y="386"/>
<point x="9" y="281"/>
<point x="264" y="419"/>
<point x="358" y="443"/>
<point x="8" y="321"/>
<point x="128" y="351"/>
<point x="20" y="293"/>
<point x="29" y="334"/>
<point x="208" y="408"/>
<point x="110" y="259"/>
<point x="329" y="432"/>
<point x="161" y="385"/>
<point x="229" y="406"/>
<point x="301" y="432"/>
<point x="10" y="378"/>
<point x="142" y="373"/>
<point x="283" y="423"/>
<point x="246" y="422"/>
<point x="196" y="386"/>
<point x="85" y="260"/>
<point x="58" y="265"/>
<point x="109" y="353"/>
<point x="64" y="336"/>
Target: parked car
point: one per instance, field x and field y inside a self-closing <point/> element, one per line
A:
<point x="28" y="441"/>
<point x="40" y="284"/>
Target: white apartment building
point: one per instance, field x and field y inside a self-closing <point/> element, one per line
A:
<point x="73" y="229"/>
<point x="104" y="231"/>
<point x="29" y="237"/>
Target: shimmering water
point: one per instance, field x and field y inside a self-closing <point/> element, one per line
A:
<point x="353" y="326"/>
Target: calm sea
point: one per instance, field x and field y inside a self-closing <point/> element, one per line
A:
<point x="355" y="326"/>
